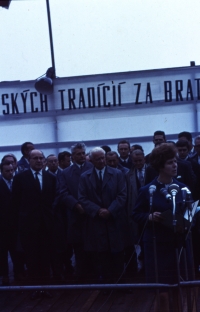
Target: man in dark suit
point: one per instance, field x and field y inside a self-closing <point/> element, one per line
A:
<point x="23" y="163"/>
<point x="123" y="149"/>
<point x="33" y="195"/>
<point x="10" y="159"/>
<point x="158" y="138"/>
<point x="72" y="209"/>
<point x="196" y="157"/>
<point x="183" y="152"/>
<point x="112" y="160"/>
<point x="52" y="164"/>
<point x="64" y="160"/>
<point x="7" y="240"/>
<point x="102" y="194"/>
<point x="185" y="135"/>
<point x="135" y="179"/>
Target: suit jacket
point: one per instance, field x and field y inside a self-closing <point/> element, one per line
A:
<point x="127" y="164"/>
<point x="133" y="186"/>
<point x="6" y="214"/>
<point x="33" y="207"/>
<point x="124" y="170"/>
<point x="194" y="157"/>
<point x="100" y="234"/>
<point x="22" y="164"/>
<point x="68" y="198"/>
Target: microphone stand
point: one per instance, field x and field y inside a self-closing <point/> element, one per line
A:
<point x="190" y="251"/>
<point x="154" y="249"/>
<point x="173" y="190"/>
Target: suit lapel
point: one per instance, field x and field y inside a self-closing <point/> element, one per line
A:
<point x="107" y="176"/>
<point x="92" y="179"/>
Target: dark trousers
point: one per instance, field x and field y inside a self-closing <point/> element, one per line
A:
<point x="7" y="245"/>
<point x="39" y="255"/>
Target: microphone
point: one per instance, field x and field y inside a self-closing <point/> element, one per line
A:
<point x="186" y="194"/>
<point x="152" y="189"/>
<point x="164" y="192"/>
<point x="173" y="189"/>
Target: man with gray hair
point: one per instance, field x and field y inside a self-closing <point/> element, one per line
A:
<point x="102" y="194"/>
<point x="69" y="182"/>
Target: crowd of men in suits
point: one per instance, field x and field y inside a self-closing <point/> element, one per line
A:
<point x="80" y="204"/>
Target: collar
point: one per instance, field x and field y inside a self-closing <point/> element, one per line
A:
<point x="34" y="171"/>
<point x="7" y="181"/>
<point x="80" y="166"/>
<point x="124" y="160"/>
<point x="102" y="171"/>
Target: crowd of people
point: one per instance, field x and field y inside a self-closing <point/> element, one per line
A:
<point x="95" y="207"/>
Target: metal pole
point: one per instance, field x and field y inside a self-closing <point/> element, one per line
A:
<point x="100" y="286"/>
<point x="50" y="36"/>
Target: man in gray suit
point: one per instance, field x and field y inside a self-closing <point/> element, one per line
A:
<point x="72" y="209"/>
<point x="135" y="179"/>
<point x="102" y="194"/>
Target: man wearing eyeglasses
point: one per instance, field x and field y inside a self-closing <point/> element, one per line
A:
<point x="33" y="195"/>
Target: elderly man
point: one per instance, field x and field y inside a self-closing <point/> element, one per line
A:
<point x="102" y="194"/>
<point x="33" y="196"/>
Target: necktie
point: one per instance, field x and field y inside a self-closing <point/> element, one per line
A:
<point x="37" y="180"/>
<point x="141" y="178"/>
<point x="10" y="185"/>
<point x="100" y="177"/>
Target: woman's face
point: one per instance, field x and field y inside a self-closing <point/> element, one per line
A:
<point x="170" y="167"/>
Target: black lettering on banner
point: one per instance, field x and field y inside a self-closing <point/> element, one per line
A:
<point x="14" y="103"/>
<point x="43" y="103"/>
<point x="71" y="98"/>
<point x="138" y="93"/>
<point x="81" y="98"/>
<point x="148" y="93"/>
<point x="99" y="93"/>
<point x="120" y="93"/>
<point x="7" y="110"/>
<point x="24" y="96"/>
<point x="114" y="95"/>
<point x="179" y="89"/>
<point x="189" y="90"/>
<point x="99" y="96"/>
<point x="168" y="91"/>
<point x="33" y="109"/>
<point x="62" y="99"/>
<point x="91" y="97"/>
<point x="104" y="96"/>
<point x="198" y="89"/>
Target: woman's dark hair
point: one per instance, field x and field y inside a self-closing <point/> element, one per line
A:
<point x="161" y="154"/>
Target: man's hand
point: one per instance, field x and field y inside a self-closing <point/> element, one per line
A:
<point x="79" y="208"/>
<point x="156" y="216"/>
<point x="104" y="213"/>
